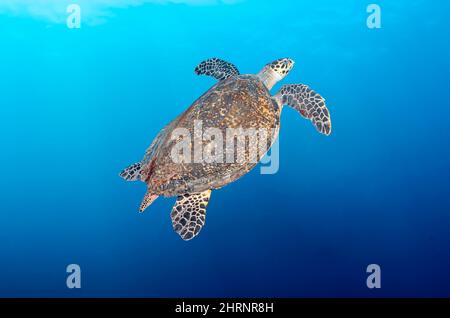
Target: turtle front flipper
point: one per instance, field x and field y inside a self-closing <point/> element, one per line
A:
<point x="216" y="68"/>
<point x="308" y="103"/>
<point x="188" y="214"/>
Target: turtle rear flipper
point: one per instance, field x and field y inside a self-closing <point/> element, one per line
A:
<point x="132" y="173"/>
<point x="188" y="214"/>
<point x="149" y="198"/>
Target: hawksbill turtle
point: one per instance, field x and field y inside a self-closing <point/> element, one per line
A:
<point x="236" y="101"/>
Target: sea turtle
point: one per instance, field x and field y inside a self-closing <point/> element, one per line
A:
<point x="239" y="102"/>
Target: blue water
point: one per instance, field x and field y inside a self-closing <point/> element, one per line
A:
<point x="79" y="105"/>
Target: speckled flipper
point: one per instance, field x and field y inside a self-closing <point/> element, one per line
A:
<point x="310" y="104"/>
<point x="132" y="173"/>
<point x="216" y="68"/>
<point x="149" y="198"/>
<point x="188" y="214"/>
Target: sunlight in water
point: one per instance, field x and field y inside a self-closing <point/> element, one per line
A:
<point x="94" y="11"/>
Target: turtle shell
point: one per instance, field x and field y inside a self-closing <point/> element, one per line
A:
<point x="239" y="102"/>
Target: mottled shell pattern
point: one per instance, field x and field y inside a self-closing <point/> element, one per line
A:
<point x="241" y="101"/>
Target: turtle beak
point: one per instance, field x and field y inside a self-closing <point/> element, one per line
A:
<point x="288" y="63"/>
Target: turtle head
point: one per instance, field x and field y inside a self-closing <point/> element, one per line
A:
<point x="281" y="66"/>
<point x="275" y="71"/>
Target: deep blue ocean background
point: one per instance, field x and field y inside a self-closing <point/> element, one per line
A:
<point x="79" y="105"/>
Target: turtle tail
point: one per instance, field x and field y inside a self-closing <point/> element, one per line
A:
<point x="132" y="173"/>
